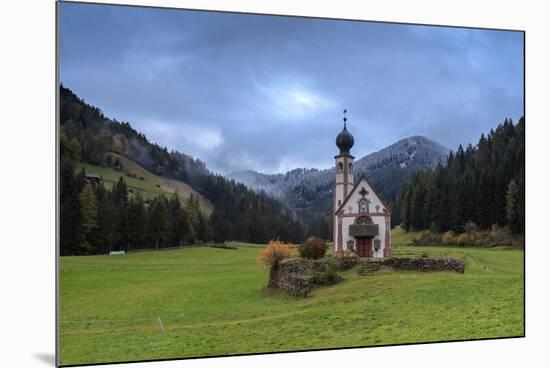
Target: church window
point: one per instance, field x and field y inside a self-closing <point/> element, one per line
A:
<point x="340" y="167"/>
<point x="363" y="205"/>
<point x="350" y="166"/>
<point x="363" y="220"/>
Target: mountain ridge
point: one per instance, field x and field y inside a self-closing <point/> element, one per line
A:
<point x="308" y="191"/>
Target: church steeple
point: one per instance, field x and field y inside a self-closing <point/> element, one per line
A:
<point x="344" y="164"/>
<point x="344" y="140"/>
<point x="343" y="184"/>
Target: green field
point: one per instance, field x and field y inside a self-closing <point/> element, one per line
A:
<point x="212" y="301"/>
<point x="146" y="183"/>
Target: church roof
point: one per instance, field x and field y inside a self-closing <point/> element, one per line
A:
<point x="345" y="201"/>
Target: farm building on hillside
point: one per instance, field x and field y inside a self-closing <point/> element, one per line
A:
<point x="361" y="221"/>
<point x="92" y="178"/>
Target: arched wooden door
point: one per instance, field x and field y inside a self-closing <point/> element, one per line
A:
<point x="364" y="246"/>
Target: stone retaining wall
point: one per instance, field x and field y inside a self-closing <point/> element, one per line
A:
<point x="298" y="276"/>
<point x="295" y="275"/>
<point x="426" y="264"/>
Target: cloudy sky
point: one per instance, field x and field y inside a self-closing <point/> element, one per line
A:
<point x="267" y="93"/>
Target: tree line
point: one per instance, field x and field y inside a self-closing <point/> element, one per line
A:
<point x="483" y="185"/>
<point x="95" y="219"/>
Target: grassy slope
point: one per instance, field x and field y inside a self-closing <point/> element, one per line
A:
<point x="212" y="301"/>
<point x="148" y="186"/>
<point x="401" y="237"/>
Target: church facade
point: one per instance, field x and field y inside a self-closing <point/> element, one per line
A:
<point x="361" y="221"/>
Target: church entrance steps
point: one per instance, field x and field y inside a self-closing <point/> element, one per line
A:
<point x="368" y="267"/>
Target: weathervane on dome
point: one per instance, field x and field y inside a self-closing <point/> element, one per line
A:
<point x="345" y="118"/>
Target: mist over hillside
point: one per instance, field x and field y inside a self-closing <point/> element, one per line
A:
<point x="308" y="192"/>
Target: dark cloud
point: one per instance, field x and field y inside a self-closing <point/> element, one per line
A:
<point x="266" y="92"/>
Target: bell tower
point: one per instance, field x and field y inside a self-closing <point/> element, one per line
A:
<point x="344" y="178"/>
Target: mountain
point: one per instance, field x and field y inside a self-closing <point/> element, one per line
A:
<point x="308" y="192"/>
<point x="112" y="149"/>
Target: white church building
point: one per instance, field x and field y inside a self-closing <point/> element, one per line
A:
<point x="361" y="220"/>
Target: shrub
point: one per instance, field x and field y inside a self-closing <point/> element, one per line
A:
<point x="448" y="237"/>
<point x="313" y="248"/>
<point x="499" y="234"/>
<point x="428" y="238"/>
<point x="470" y="228"/>
<point x="349" y="253"/>
<point x="330" y="275"/>
<point x="347" y="262"/>
<point x="274" y="252"/>
<point x="464" y="239"/>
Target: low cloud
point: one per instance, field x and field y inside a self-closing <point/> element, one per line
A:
<point x="267" y="93"/>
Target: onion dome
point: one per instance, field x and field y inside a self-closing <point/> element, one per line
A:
<point x="344" y="140"/>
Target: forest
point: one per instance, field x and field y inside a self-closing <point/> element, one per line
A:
<point x="480" y="186"/>
<point x="95" y="219"/>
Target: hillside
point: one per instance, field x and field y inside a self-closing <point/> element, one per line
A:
<point x="308" y="192"/>
<point x="97" y="219"/>
<point x="143" y="181"/>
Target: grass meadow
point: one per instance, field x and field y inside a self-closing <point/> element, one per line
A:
<point x="209" y="301"/>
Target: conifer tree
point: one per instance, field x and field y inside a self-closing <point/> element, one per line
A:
<point x="106" y="234"/>
<point x="137" y="222"/>
<point x="512" y="207"/>
<point x="88" y="213"/>
<point x="177" y="228"/>
<point x="158" y="221"/>
<point x="192" y="212"/>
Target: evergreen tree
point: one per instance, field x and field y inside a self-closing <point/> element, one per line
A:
<point x="159" y="225"/>
<point x="192" y="214"/>
<point x="120" y="200"/>
<point x="405" y="204"/>
<point x="204" y="232"/>
<point x="70" y="219"/>
<point x="88" y="213"/>
<point x="512" y="207"/>
<point x="177" y="227"/>
<point x="137" y="222"/>
<point x="106" y="234"/>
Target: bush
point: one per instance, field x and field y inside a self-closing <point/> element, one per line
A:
<point x="470" y="228"/>
<point x="428" y="238"/>
<point x="313" y="248"/>
<point x="473" y="236"/>
<point x="347" y="262"/>
<point x="465" y="239"/>
<point x="274" y="252"/>
<point x="499" y="234"/>
<point x="448" y="237"/>
<point x="330" y="275"/>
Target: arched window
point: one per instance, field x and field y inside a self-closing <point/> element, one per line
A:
<point x="350" y="167"/>
<point x="340" y="167"/>
<point x="361" y="220"/>
<point x="363" y="205"/>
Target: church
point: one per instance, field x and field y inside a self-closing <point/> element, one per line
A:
<point x="361" y="221"/>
